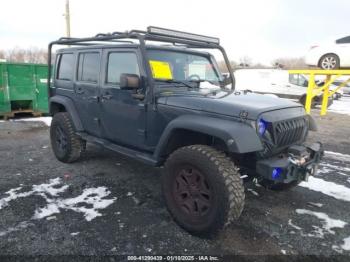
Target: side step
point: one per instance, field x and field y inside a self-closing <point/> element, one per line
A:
<point x="143" y="157"/>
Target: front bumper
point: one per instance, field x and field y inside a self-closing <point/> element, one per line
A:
<point x="297" y="164"/>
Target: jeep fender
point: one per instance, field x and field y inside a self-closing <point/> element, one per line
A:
<point x="239" y="137"/>
<point x="70" y="108"/>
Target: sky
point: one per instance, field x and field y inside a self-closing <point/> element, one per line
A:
<point x="260" y="29"/>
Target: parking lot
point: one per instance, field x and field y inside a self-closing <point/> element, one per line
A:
<point x="108" y="204"/>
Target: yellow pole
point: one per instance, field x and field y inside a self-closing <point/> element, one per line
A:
<point x="67" y="16"/>
<point x="309" y="93"/>
<point x="325" y="96"/>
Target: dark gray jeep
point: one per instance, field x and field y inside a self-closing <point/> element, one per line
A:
<point x="169" y="105"/>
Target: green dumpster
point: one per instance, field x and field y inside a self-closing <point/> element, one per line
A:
<point x="23" y="89"/>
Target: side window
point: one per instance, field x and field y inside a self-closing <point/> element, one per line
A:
<point x="297" y="79"/>
<point x="121" y="63"/>
<point x="344" y="40"/>
<point x="88" y="67"/>
<point x="65" y="68"/>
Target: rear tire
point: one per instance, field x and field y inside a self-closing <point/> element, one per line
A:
<point x="303" y="101"/>
<point x="202" y="189"/>
<point x="66" y="145"/>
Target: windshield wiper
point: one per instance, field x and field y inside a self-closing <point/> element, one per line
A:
<point x="177" y="82"/>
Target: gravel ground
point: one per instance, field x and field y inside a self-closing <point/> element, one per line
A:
<point x="108" y="204"/>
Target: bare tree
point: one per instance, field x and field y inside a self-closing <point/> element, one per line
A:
<point x="245" y="61"/>
<point x="20" y="55"/>
<point x="290" y="63"/>
<point x="223" y="67"/>
<point x="2" y="54"/>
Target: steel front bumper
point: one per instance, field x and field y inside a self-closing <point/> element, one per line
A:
<point x="297" y="164"/>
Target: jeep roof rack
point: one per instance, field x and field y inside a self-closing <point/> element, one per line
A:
<point x="153" y="33"/>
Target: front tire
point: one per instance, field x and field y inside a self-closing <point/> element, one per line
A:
<point x="329" y="62"/>
<point x="66" y="145"/>
<point x="202" y="189"/>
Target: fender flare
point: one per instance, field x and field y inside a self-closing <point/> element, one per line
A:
<point x="245" y="138"/>
<point x="70" y="108"/>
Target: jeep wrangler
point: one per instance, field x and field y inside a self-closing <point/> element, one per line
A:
<point x="158" y="96"/>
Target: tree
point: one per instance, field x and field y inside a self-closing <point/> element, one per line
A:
<point x="20" y="55"/>
<point x="223" y="67"/>
<point x="290" y="63"/>
<point x="245" y="61"/>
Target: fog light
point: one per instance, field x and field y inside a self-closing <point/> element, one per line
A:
<point x="276" y="173"/>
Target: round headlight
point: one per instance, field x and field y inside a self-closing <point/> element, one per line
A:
<point x="262" y="126"/>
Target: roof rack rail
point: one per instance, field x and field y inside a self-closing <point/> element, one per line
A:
<point x="118" y="33"/>
<point x="102" y="34"/>
<point x="157" y="34"/>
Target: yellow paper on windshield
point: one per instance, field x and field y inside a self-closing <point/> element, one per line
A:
<point x="161" y="70"/>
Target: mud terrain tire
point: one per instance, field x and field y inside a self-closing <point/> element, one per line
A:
<point x="203" y="189"/>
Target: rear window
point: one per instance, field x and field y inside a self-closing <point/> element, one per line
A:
<point x="89" y="67"/>
<point x="344" y="40"/>
<point x="65" y="67"/>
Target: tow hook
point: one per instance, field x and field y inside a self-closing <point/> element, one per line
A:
<point x="297" y="161"/>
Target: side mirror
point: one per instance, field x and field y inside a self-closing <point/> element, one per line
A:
<point x="129" y="81"/>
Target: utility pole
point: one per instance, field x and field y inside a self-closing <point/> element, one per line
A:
<point x="67" y="16"/>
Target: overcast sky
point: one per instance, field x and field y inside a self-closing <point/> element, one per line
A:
<point x="260" y="29"/>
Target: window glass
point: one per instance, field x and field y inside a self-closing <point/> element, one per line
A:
<point x="65" y="67"/>
<point x="186" y="66"/>
<point x="297" y="79"/>
<point x="344" y="40"/>
<point x="89" y="65"/>
<point x="121" y="63"/>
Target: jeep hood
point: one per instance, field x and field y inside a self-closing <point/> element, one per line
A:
<point x="230" y="105"/>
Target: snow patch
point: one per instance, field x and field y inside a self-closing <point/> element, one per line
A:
<point x="346" y="169"/>
<point x="315" y="204"/>
<point x="328" y="188"/>
<point x="51" y="188"/>
<point x="346" y="245"/>
<point x="340" y="106"/>
<point x="19" y="227"/>
<point x="13" y="194"/>
<point x="46" y="119"/>
<point x="294" y="226"/>
<point x="327" y="222"/>
<point x="89" y="202"/>
<point x="338" y="156"/>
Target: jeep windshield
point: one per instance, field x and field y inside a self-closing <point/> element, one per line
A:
<point x="192" y="71"/>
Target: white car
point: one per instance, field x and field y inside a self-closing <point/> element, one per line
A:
<point x="275" y="82"/>
<point x="333" y="55"/>
<point x="345" y="89"/>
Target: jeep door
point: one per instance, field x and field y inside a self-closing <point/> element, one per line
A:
<point x="122" y="116"/>
<point x="87" y="90"/>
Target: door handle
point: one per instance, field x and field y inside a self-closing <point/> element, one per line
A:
<point x="79" y="90"/>
<point x="93" y="98"/>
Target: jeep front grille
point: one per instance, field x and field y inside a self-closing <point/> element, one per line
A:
<point x="290" y="131"/>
